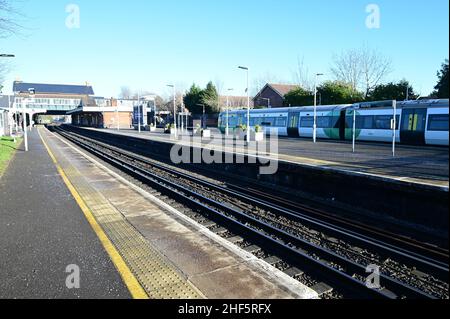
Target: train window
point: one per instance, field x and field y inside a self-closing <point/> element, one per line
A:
<point x="270" y="120"/>
<point x="364" y="122"/>
<point x="335" y="123"/>
<point x="307" y="122"/>
<point x="281" y="122"/>
<point x="323" y="122"/>
<point x="383" y="122"/>
<point x="438" y="122"/>
<point x="258" y="120"/>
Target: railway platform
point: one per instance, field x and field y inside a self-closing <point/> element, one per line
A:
<point x="154" y="250"/>
<point x="43" y="232"/>
<point x="427" y="166"/>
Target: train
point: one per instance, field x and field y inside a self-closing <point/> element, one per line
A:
<point x="420" y="122"/>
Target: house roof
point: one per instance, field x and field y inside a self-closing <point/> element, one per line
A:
<point x="40" y="88"/>
<point x="281" y="89"/>
<point x="234" y="100"/>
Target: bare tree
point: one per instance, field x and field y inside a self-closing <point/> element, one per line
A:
<point x="362" y="68"/>
<point x="260" y="81"/>
<point x="8" y="19"/>
<point x="125" y="92"/>
<point x="3" y="71"/>
<point x="219" y="84"/>
<point x="375" y="67"/>
<point x="301" y="75"/>
<point x="8" y="26"/>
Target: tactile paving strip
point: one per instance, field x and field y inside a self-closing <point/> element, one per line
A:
<point x="158" y="277"/>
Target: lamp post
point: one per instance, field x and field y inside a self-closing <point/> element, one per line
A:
<point x="154" y="116"/>
<point x="315" y="108"/>
<point x="182" y="116"/>
<point x="227" y="125"/>
<point x="394" y="126"/>
<point x="174" y="108"/>
<point x="117" y="114"/>
<point x="139" y="112"/>
<point x="248" y="103"/>
<point x="31" y="92"/>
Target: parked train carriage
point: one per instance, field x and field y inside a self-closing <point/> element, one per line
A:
<point x="417" y="122"/>
<point x="329" y="121"/>
<point x="268" y="119"/>
<point x="425" y="123"/>
<point x="437" y="126"/>
<point x="276" y="120"/>
<point x="372" y="124"/>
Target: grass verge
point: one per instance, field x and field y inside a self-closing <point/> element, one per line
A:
<point x="7" y="150"/>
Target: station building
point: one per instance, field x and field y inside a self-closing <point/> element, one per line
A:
<point x="110" y="113"/>
<point x="101" y="113"/>
<point x="48" y="99"/>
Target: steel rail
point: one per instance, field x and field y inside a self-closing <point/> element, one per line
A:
<point x="268" y="231"/>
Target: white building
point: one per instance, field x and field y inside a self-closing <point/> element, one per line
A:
<point x="4" y="128"/>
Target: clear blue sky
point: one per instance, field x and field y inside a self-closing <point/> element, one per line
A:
<point x="146" y="44"/>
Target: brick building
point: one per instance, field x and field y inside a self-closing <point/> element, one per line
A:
<point x="273" y="95"/>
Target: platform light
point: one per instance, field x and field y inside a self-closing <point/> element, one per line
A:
<point x="227" y="126"/>
<point x="248" y="102"/>
<point x="315" y="108"/>
<point x="174" y="108"/>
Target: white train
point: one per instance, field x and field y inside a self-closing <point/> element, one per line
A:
<point x="423" y="122"/>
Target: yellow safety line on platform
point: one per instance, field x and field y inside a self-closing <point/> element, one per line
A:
<point x="136" y="290"/>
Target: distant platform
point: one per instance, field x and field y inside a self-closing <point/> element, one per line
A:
<point x="425" y="165"/>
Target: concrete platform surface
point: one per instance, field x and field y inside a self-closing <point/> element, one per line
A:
<point x="413" y="164"/>
<point x="164" y="248"/>
<point x="43" y="231"/>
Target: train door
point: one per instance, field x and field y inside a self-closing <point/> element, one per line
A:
<point x="413" y="124"/>
<point x="341" y="123"/>
<point x="293" y="124"/>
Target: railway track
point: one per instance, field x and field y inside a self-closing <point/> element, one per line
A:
<point x="338" y="255"/>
